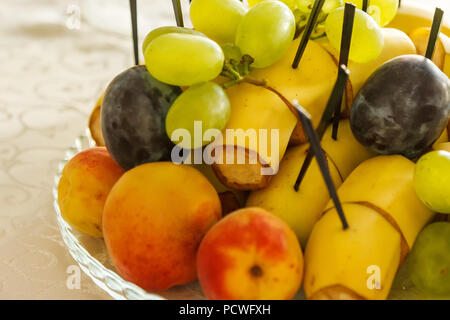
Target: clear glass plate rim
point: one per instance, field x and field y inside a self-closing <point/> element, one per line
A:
<point x="127" y="290"/>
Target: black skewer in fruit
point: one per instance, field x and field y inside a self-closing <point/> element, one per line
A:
<point x="404" y="106"/>
<point x="134" y="28"/>
<point x="333" y="108"/>
<point x="434" y="33"/>
<point x="335" y="98"/>
<point x="365" y="5"/>
<point x="318" y="4"/>
<point x="178" y="12"/>
<point x="346" y="39"/>
<point x="314" y="142"/>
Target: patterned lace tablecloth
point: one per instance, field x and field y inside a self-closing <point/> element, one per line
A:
<point x="52" y="70"/>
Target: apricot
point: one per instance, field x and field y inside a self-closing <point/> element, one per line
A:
<point x="84" y="185"/>
<point x="153" y="222"/>
<point x="250" y="254"/>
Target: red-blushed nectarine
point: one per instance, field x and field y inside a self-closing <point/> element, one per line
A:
<point x="154" y="220"/>
<point x="250" y="254"/>
<point x="85" y="183"/>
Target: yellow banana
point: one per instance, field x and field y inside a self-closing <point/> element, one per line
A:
<point x="387" y="217"/>
<point x="441" y="55"/>
<point x="413" y="14"/>
<point x="303" y="208"/>
<point x="386" y="183"/>
<point x="94" y="123"/>
<point x="442" y="139"/>
<point x="310" y="84"/>
<point x="445" y="146"/>
<point x="445" y="40"/>
<point x="338" y="262"/>
<point x="254" y="111"/>
<point x="345" y="152"/>
<point x="256" y="108"/>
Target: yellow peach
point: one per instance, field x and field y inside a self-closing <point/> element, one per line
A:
<point x="250" y="254"/>
<point x="84" y="185"/>
<point x="153" y="222"/>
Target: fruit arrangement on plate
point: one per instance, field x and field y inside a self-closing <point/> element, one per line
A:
<point x="277" y="146"/>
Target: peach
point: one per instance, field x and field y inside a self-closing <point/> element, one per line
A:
<point x="154" y="219"/>
<point x="84" y="185"/>
<point x="250" y="254"/>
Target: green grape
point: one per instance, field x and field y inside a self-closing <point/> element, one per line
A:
<point x="292" y="4"/>
<point x="383" y="11"/>
<point x="231" y="51"/>
<point x="206" y="102"/>
<point x="367" y="38"/>
<point x="429" y="260"/>
<point x="432" y="180"/>
<point x="266" y="32"/>
<point x="164" y="30"/>
<point x="218" y="19"/>
<point x="306" y="6"/>
<point x="183" y="59"/>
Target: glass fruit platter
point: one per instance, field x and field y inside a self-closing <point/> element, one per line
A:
<point x="91" y="255"/>
<point x="283" y="226"/>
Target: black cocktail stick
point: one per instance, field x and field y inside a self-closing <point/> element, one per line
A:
<point x="134" y="28"/>
<point x="178" y="12"/>
<point x="318" y="4"/>
<point x="434" y="33"/>
<point x="365" y="5"/>
<point x="346" y="39"/>
<point x="335" y="99"/>
<point x="321" y="160"/>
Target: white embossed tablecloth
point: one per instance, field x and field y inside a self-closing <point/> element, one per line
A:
<point x="53" y="68"/>
<point x="50" y="78"/>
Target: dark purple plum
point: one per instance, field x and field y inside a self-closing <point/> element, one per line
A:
<point x="133" y="116"/>
<point x="402" y="108"/>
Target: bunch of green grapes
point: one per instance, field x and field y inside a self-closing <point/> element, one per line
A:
<point x="188" y="58"/>
<point x="263" y="32"/>
<point x="227" y="34"/>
